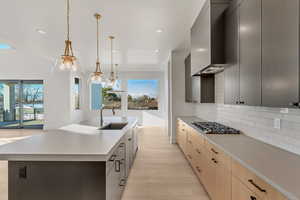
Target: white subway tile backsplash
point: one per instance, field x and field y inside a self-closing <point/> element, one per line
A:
<point x="257" y="122"/>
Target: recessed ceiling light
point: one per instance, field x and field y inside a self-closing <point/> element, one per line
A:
<point x="159" y="31"/>
<point x="40" y="31"/>
<point x="157" y="51"/>
<point x="5" y="47"/>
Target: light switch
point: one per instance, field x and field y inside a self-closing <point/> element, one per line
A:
<point x="277" y="123"/>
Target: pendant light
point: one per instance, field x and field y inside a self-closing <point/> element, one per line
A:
<point x="68" y="61"/>
<point x="112" y="76"/>
<point x="96" y="77"/>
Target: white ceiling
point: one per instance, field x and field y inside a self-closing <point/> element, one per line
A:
<point x="133" y="22"/>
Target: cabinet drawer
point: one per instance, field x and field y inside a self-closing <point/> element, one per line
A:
<point x="254" y="183"/>
<point x="197" y="140"/>
<point x="241" y="192"/>
<point x="215" y="153"/>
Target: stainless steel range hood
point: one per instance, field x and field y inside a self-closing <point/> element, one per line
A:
<point x="208" y="38"/>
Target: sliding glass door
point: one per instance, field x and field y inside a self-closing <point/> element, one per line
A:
<point x="21" y="104"/>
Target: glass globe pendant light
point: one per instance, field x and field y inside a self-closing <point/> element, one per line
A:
<point x="67" y="62"/>
<point x="112" y="77"/>
<point x="96" y="77"/>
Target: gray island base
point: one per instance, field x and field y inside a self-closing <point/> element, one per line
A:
<point x="77" y="162"/>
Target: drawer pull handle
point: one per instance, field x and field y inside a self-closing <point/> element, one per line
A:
<point x="198" y="151"/>
<point x="212" y="149"/>
<point x="112" y="158"/>
<point x="252" y="198"/>
<point x="122" y="183"/>
<point x="190" y="157"/>
<point x="255" y="185"/>
<point x="215" y="161"/>
<point x="198" y="169"/>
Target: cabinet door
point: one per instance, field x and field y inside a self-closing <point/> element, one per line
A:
<point x="250" y="52"/>
<point x="232" y="71"/>
<point x="209" y="177"/>
<point x="188" y="80"/>
<point x="280" y="52"/>
<point x="241" y="192"/>
<point x="223" y="183"/>
<point x="200" y="36"/>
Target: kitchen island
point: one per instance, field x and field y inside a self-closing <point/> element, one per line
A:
<point x="76" y="162"/>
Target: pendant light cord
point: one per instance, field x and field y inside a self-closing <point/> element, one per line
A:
<point x="68" y="19"/>
<point x="97" y="40"/>
<point x="111" y="54"/>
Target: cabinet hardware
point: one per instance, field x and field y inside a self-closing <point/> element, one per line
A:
<point x="213" y="150"/>
<point x="23" y="172"/>
<point x="198" y="151"/>
<point x="129" y="139"/>
<point x="295" y="104"/>
<point x="190" y="142"/>
<point x="198" y="169"/>
<point x="252" y="198"/>
<point x="214" y="160"/>
<point x="122" y="145"/>
<point x="257" y="186"/>
<point x="190" y="157"/>
<point x="118" y="166"/>
<point x="122" y="183"/>
<point x="112" y="158"/>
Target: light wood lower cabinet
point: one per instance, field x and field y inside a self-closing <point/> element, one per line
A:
<point x="241" y="192"/>
<point x="182" y="136"/>
<point x="222" y="177"/>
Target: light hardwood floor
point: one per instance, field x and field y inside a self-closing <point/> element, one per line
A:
<point x="160" y="172"/>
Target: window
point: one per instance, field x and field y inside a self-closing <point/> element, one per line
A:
<point x="142" y="94"/>
<point x="112" y="100"/>
<point x="21" y="104"/>
<point x="77" y="93"/>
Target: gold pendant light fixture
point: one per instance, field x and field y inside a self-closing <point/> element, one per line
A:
<point x="68" y="60"/>
<point x="96" y="77"/>
<point x="112" y="76"/>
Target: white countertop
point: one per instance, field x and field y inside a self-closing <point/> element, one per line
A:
<point x="278" y="167"/>
<point x="75" y="142"/>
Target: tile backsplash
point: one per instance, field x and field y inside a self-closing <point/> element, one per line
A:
<point x="256" y="122"/>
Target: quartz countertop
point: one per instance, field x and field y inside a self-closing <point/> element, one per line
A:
<point x="75" y="142"/>
<point x="278" y="167"/>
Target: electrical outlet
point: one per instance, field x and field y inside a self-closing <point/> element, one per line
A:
<point x="277" y="123"/>
<point x="284" y="110"/>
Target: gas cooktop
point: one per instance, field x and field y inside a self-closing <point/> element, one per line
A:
<point x="215" y="128"/>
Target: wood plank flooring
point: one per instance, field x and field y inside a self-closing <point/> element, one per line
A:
<point x="160" y="171"/>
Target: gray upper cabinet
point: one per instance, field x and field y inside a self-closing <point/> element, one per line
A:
<point x="280" y="52"/>
<point x="207" y="37"/>
<point x="200" y="36"/>
<point x="232" y="71"/>
<point x="250" y="52"/>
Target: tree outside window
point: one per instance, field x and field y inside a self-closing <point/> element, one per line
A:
<point x="143" y="94"/>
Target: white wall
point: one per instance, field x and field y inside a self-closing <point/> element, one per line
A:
<point x="177" y="95"/>
<point x="57" y="86"/>
<point x="149" y="118"/>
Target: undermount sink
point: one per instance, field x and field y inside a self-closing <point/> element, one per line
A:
<point x="114" y="126"/>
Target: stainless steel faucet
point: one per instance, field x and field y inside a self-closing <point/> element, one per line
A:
<point x="113" y="111"/>
<point x="101" y="117"/>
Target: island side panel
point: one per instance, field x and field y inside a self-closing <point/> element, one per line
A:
<point x="57" y="180"/>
